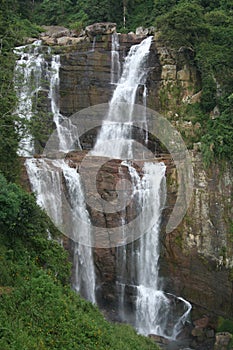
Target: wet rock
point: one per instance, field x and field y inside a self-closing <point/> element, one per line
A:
<point x="151" y="30"/>
<point x="159" y="339"/>
<point x="199" y="333"/>
<point x="30" y="40"/>
<point x="210" y="333"/>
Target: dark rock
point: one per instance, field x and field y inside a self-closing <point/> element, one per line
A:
<point x="210" y="333"/>
<point x="159" y="339"/>
<point x="198" y="332"/>
<point x="202" y="322"/>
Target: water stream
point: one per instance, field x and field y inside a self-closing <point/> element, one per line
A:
<point x="137" y="264"/>
<point x="30" y="71"/>
<point x="38" y="70"/>
<point x="34" y="73"/>
<point x="53" y="181"/>
<point x="118" y="123"/>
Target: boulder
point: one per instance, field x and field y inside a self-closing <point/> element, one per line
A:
<point x="30" y="40"/>
<point x="183" y="74"/>
<point x="196" y="97"/>
<point x="64" y="40"/>
<point x="75" y="41"/>
<point x="151" y="30"/>
<point x="222" y="341"/>
<point x="198" y="332"/>
<point x="215" y="113"/>
<point x="169" y="72"/>
<point x="55" y="31"/>
<point x="47" y="40"/>
<point x="142" y="31"/>
<point x="202" y="322"/>
<point x="103" y="28"/>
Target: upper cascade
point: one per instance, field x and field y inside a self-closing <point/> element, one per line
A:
<point x="118" y="122"/>
<point x="35" y="71"/>
<point x="30" y="71"/>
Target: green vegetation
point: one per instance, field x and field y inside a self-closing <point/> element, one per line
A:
<point x="206" y="27"/>
<point x="226" y="325"/>
<point x="13" y="29"/>
<point x="38" y="310"/>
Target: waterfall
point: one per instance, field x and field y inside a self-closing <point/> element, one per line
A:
<point x="28" y="79"/>
<point x="137" y="267"/>
<point x="93" y="44"/>
<point x="47" y="178"/>
<point x="33" y="73"/>
<point x="118" y="122"/>
<point x="67" y="133"/>
<point x="115" y="60"/>
<point x="55" y="184"/>
<point x="154" y="309"/>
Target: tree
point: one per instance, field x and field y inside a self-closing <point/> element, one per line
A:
<point x="184" y="25"/>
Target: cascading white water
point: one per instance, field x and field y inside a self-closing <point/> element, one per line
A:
<point x="45" y="183"/>
<point x="154" y="312"/>
<point x="118" y="122"/>
<point x="144" y="101"/>
<point x="84" y="266"/>
<point x="93" y="44"/>
<point x="153" y="306"/>
<point x="32" y="74"/>
<point x="28" y="78"/>
<point x="115" y="60"/>
<point x="46" y="178"/>
<point x="68" y="137"/>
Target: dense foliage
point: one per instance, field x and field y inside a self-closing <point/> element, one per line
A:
<point x="38" y="310"/>
<point x="12" y="30"/>
<point x="207" y="28"/>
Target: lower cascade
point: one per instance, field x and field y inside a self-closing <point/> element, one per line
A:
<point x="155" y="311"/>
<point x="48" y="180"/>
<point x="56" y="184"/>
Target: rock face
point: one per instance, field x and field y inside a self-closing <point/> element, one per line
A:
<point x="85" y="73"/>
<point x="197" y="261"/>
<point x="196" y="258"/>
